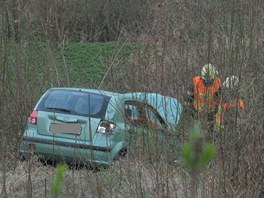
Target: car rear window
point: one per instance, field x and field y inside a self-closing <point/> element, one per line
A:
<point x="74" y="102"/>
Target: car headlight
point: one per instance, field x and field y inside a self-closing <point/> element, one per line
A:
<point x="106" y="127"/>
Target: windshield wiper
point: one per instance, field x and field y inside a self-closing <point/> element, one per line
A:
<point x="59" y="109"/>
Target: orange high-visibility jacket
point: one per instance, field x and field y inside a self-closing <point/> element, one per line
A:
<point x="204" y="96"/>
<point x="237" y="103"/>
<point x="219" y="121"/>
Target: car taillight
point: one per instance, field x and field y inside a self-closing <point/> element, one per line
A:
<point x="32" y="146"/>
<point x="33" y="117"/>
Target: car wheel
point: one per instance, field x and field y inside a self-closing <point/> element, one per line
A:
<point x="119" y="158"/>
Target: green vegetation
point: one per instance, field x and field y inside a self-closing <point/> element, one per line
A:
<point x="57" y="185"/>
<point x="196" y="155"/>
<point x="87" y="63"/>
<point x="79" y="64"/>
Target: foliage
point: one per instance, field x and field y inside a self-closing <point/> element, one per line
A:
<point x="57" y="185"/>
<point x="196" y="155"/>
<point x="87" y="63"/>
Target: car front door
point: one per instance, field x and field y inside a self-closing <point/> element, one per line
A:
<point x="147" y="129"/>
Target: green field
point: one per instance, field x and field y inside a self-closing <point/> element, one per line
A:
<point x="76" y="65"/>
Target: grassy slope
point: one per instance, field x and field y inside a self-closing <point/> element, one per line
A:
<point x="32" y="68"/>
<point x="87" y="62"/>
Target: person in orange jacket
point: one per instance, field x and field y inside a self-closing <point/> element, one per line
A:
<point x="203" y="95"/>
<point x="229" y="104"/>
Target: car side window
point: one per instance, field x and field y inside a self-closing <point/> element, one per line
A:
<point x="153" y="119"/>
<point x="142" y="114"/>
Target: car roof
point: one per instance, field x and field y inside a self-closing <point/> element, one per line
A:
<point x="97" y="91"/>
<point x="152" y="98"/>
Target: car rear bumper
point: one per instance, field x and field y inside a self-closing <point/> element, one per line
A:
<point x="72" y="152"/>
<point x="66" y="144"/>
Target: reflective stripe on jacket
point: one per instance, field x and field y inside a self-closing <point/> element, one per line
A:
<point x="204" y="96"/>
<point x="219" y="118"/>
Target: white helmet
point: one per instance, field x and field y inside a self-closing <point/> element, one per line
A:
<point x="231" y="82"/>
<point x="208" y="72"/>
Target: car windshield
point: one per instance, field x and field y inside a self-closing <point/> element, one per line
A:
<point x="74" y="102"/>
